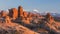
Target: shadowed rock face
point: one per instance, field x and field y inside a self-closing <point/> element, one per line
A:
<point x="11" y="13"/>
<point x="22" y="22"/>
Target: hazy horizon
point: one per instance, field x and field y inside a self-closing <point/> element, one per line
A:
<point x="52" y="6"/>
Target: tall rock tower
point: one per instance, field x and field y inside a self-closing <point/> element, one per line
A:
<point x="20" y="11"/>
<point x="13" y="13"/>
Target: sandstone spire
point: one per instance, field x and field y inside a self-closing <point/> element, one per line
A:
<point x="15" y="13"/>
<point x="20" y="11"/>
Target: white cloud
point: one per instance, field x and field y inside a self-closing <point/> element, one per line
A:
<point x="35" y="10"/>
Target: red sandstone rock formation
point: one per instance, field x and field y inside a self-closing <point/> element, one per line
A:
<point x="7" y="19"/>
<point x="25" y="14"/>
<point x="20" y="11"/>
<point x="14" y="28"/>
<point x="3" y="13"/>
<point x="13" y="13"/>
<point x="49" y="18"/>
<point x="26" y="21"/>
<point x="10" y="13"/>
<point x="30" y="14"/>
<point x="31" y="20"/>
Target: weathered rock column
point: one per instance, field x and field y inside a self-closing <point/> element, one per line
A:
<point x="13" y="13"/>
<point x="20" y="11"/>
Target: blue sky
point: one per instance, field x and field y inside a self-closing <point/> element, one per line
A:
<point x="40" y="5"/>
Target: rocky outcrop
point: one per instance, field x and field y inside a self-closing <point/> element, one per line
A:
<point x="14" y="28"/>
<point x="7" y="19"/>
<point x="49" y="18"/>
<point x="20" y="11"/>
<point x="3" y="13"/>
<point x="22" y="22"/>
<point x="25" y="14"/>
<point x="13" y="13"/>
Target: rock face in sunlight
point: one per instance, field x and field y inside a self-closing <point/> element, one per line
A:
<point x="25" y="14"/>
<point x="14" y="28"/>
<point x="18" y="21"/>
<point x="13" y="13"/>
<point x="7" y="19"/>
